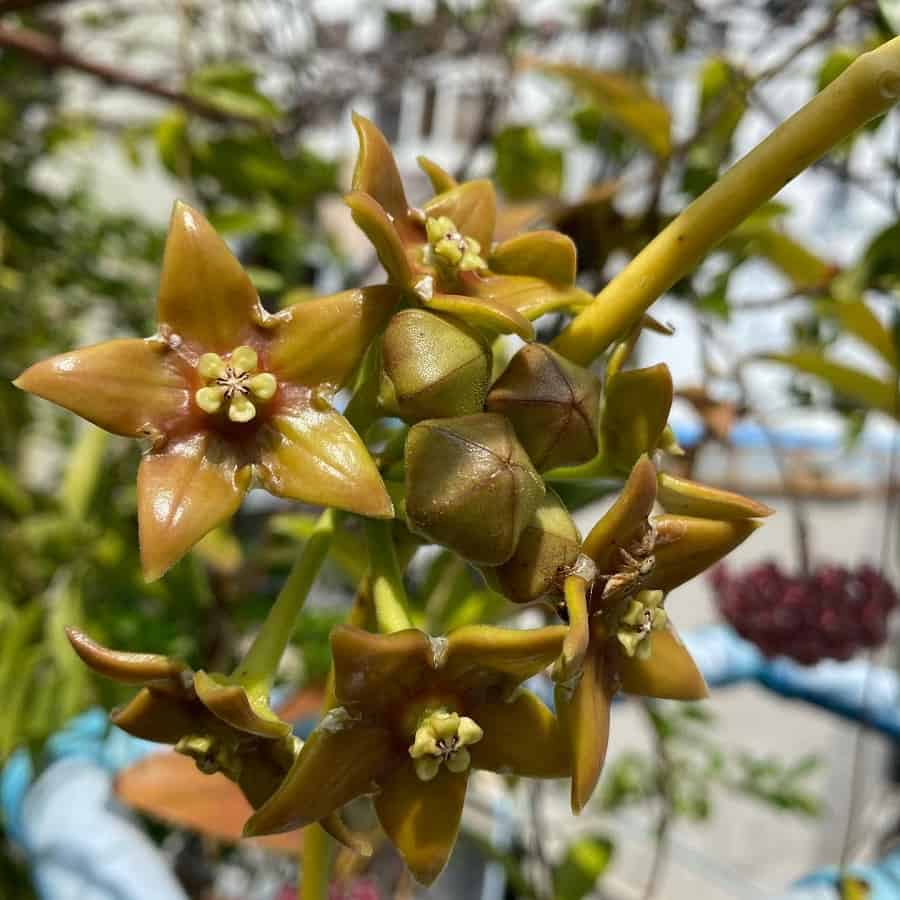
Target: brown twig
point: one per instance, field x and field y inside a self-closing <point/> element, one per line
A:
<point x="53" y="54"/>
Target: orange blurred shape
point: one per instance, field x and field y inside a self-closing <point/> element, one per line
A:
<point x="169" y="787"/>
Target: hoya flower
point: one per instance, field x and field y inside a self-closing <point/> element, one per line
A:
<point x="444" y="254"/>
<point x="222" y="726"/>
<point x="227" y="395"/>
<point x="620" y="635"/>
<point x="415" y="714"/>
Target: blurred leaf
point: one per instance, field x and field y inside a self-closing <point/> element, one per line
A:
<point x="585" y="861"/>
<point x="856" y="318"/>
<point x="348" y="549"/>
<point x="833" y="65"/>
<point x="232" y="88"/>
<point x="622" y="99"/>
<point x="802" y="267"/>
<point x="890" y="9"/>
<point x="852" y="383"/>
<point x="524" y="166"/>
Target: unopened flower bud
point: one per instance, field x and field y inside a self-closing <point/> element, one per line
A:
<point x="553" y="405"/>
<point x="547" y="550"/>
<point x="470" y="486"/>
<point x="435" y="366"/>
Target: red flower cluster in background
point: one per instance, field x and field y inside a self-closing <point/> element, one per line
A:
<point x="830" y="614"/>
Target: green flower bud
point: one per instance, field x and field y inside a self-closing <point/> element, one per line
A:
<point x="548" y="548"/>
<point x="470" y="486"/>
<point x="553" y="405"/>
<point x="434" y="366"/>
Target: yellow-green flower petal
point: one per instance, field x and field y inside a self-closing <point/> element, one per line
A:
<point x="381" y="230"/>
<point x="422" y="818"/>
<point x="667" y="672"/>
<point x="547" y="255"/>
<point x="241" y="409"/>
<point x="312" y="454"/>
<point x="690" y="498"/>
<point x="376" y="170"/>
<point x="244" y="359"/>
<point x="263" y="386"/>
<point x="440" y="179"/>
<point x="471" y="206"/>
<point x="211" y="365"/>
<point x="209" y="399"/>
<point x="521" y="737"/>
<point x="231" y="703"/>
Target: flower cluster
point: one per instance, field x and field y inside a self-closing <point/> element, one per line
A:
<point x="227" y="395"/>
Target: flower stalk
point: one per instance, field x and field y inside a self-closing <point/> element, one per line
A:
<point x="868" y="87"/>
<point x="257" y="670"/>
<point x="316" y="863"/>
<point x="388" y="593"/>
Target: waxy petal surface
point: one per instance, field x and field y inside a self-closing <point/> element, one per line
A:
<point x="422" y="818"/>
<point x="337" y="764"/>
<point x="532" y="297"/>
<point x="484" y="657"/>
<point x="321" y="342"/>
<point x="231" y="704"/>
<point x="547" y="255"/>
<point x="129" y="386"/>
<point x="584" y="717"/>
<point x="311" y="453"/>
<point x="440" y="179"/>
<point x="487" y="314"/>
<point x="376" y="170"/>
<point x="380" y="670"/>
<point x="629" y="512"/>
<point x="472" y="206"/>
<point x="521" y="737"/>
<point x="205" y="296"/>
<point x="697" y="544"/>
<point x="691" y="498"/>
<point x="669" y="672"/>
<point x="126" y="668"/>
<point x="184" y="491"/>
<point x="380" y="229"/>
<point x="161" y="717"/>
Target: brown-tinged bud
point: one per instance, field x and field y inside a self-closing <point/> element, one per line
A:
<point x="553" y="405"/>
<point x="470" y="486"/>
<point x="548" y="548"/>
<point x="435" y="366"/>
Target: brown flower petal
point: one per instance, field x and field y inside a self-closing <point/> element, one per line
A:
<point x="668" y="672"/>
<point x="337" y="764"/>
<point x="204" y="294"/>
<point x="521" y="737"/>
<point x="376" y="169"/>
<point x="422" y="818"/>
<point x="695" y="546"/>
<point x="161" y="717"/>
<point x="624" y="517"/>
<point x="322" y="341"/>
<point x="472" y="206"/>
<point x="312" y="453"/>
<point x="184" y="491"/>
<point x="547" y="255"/>
<point x="128" y="387"/>
<point x="380" y="670"/>
<point x="584" y="717"/>
<point x="380" y="229"/>
<point x="126" y="668"/>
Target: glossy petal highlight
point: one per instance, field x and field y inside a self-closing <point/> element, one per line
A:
<point x="669" y="672"/>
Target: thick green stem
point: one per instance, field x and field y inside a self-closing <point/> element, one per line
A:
<point x="388" y="593"/>
<point x="864" y="90"/>
<point x="258" y="667"/>
<point x="316" y="861"/>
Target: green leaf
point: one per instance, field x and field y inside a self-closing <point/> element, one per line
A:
<point x="585" y="861"/>
<point x="859" y="386"/>
<point x="524" y="166"/>
<point x="856" y="318"/>
<point x="622" y="99"/>
<point x="232" y="88"/>
<point x="802" y="267"/>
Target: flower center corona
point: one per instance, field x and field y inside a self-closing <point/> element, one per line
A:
<point x="643" y="615"/>
<point x="442" y="737"/>
<point x="448" y="248"/>
<point x="234" y="383"/>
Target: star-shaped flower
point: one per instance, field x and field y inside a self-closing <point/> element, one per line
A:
<point x="620" y="637"/>
<point x="415" y="714"/>
<point x="443" y="255"/>
<point x="227" y="395"/>
<point x="221" y="725"/>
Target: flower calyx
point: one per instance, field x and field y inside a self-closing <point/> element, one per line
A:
<point x="442" y="737"/>
<point x="449" y="249"/>
<point x="234" y="383"/>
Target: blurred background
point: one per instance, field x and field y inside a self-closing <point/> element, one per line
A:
<point x="601" y="119"/>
